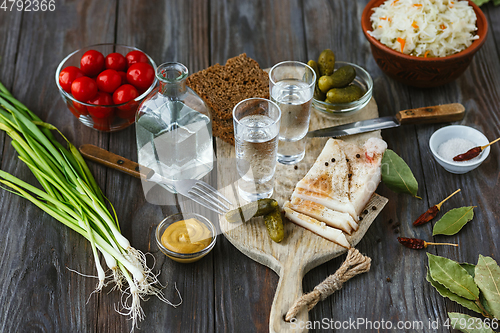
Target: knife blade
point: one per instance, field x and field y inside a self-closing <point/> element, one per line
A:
<point x="424" y="115"/>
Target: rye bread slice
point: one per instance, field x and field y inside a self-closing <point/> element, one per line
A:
<point x="222" y="87"/>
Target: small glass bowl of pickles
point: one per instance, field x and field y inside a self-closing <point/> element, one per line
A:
<point x="342" y="88"/>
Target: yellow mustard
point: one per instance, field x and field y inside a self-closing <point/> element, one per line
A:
<point x="186" y="236"/>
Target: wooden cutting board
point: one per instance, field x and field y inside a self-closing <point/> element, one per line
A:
<point x="301" y="250"/>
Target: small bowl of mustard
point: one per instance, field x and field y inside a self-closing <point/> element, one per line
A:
<point x="186" y="237"/>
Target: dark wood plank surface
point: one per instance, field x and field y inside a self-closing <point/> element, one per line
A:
<point x="226" y="291"/>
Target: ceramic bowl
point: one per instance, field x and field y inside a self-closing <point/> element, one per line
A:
<point x="363" y="80"/>
<point x="418" y="71"/>
<point x="458" y="131"/>
<point x="185" y="257"/>
<point x="117" y="116"/>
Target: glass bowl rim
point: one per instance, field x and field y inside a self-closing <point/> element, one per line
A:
<point x="69" y="96"/>
<point x="193" y="255"/>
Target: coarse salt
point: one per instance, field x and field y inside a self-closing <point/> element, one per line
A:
<point x="453" y="147"/>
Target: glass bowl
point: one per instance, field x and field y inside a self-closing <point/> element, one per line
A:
<point x="118" y="116"/>
<point x="363" y="80"/>
<point x="184" y="257"/>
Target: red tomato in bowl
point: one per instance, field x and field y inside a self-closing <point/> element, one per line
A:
<point x="103" y="124"/>
<point x="103" y="99"/>
<point x="136" y="56"/>
<point x="116" y="61"/>
<point x="126" y="94"/>
<point x="108" y="81"/>
<point x="83" y="88"/>
<point x="141" y="75"/>
<point x="67" y="76"/>
<point x="78" y="108"/>
<point x="124" y="77"/>
<point x="92" y="62"/>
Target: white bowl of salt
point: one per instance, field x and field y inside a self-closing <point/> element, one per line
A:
<point x="450" y="141"/>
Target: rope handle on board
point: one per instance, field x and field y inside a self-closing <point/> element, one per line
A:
<point x="354" y="264"/>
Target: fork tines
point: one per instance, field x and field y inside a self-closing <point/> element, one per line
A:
<point x="208" y="197"/>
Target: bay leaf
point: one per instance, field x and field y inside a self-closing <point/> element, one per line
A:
<point x="453" y="221"/>
<point x="470" y="268"/>
<point x="487" y="277"/>
<point x="450" y="274"/>
<point x="445" y="292"/>
<point x="396" y="174"/>
<point x="468" y="324"/>
<point x="484" y="303"/>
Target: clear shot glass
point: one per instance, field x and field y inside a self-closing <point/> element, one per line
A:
<point x="291" y="86"/>
<point x="256" y="129"/>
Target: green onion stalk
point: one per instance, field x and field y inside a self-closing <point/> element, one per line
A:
<point x="71" y="195"/>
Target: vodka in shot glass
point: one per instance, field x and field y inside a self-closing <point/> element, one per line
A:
<point x="291" y="86"/>
<point x="256" y="128"/>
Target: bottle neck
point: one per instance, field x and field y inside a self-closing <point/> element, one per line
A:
<point x="172" y="77"/>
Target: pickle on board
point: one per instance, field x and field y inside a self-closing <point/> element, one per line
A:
<point x="256" y="208"/>
<point x="274" y="225"/>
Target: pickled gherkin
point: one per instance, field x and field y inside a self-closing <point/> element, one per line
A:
<point x="318" y="94"/>
<point x="274" y="225"/>
<point x="348" y="94"/>
<point x="326" y="62"/>
<point x="252" y="209"/>
<point x="343" y="76"/>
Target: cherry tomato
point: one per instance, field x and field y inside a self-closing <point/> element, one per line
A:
<point x="83" y="88"/>
<point x="79" y="109"/>
<point x="103" y="124"/>
<point x="116" y="61"/>
<point x="68" y="75"/>
<point x="124" y="94"/>
<point x="124" y="77"/>
<point x="92" y="62"/>
<point x="141" y="75"/>
<point x="108" y="81"/>
<point x="136" y="56"/>
<point x="101" y="98"/>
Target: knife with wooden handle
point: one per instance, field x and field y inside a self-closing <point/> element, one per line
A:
<point x="426" y="115"/>
<point x="113" y="161"/>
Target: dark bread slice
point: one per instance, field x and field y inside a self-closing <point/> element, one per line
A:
<point x="223" y="129"/>
<point x="222" y="87"/>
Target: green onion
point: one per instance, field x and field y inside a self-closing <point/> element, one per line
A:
<point x="71" y="195"/>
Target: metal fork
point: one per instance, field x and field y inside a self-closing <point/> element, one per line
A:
<point x="196" y="190"/>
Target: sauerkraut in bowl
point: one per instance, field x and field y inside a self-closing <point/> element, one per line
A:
<point x="425" y="28"/>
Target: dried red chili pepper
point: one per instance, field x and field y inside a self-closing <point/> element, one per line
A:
<point x="431" y="212"/>
<point x="473" y="152"/>
<point x="469" y="154"/>
<point x="418" y="244"/>
<point x="412" y="243"/>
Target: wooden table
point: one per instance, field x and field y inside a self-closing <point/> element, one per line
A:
<point x="226" y="291"/>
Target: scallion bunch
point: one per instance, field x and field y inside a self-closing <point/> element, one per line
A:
<point x="71" y="195"/>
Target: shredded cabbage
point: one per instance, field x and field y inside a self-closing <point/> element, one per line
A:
<point x="427" y="28"/>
